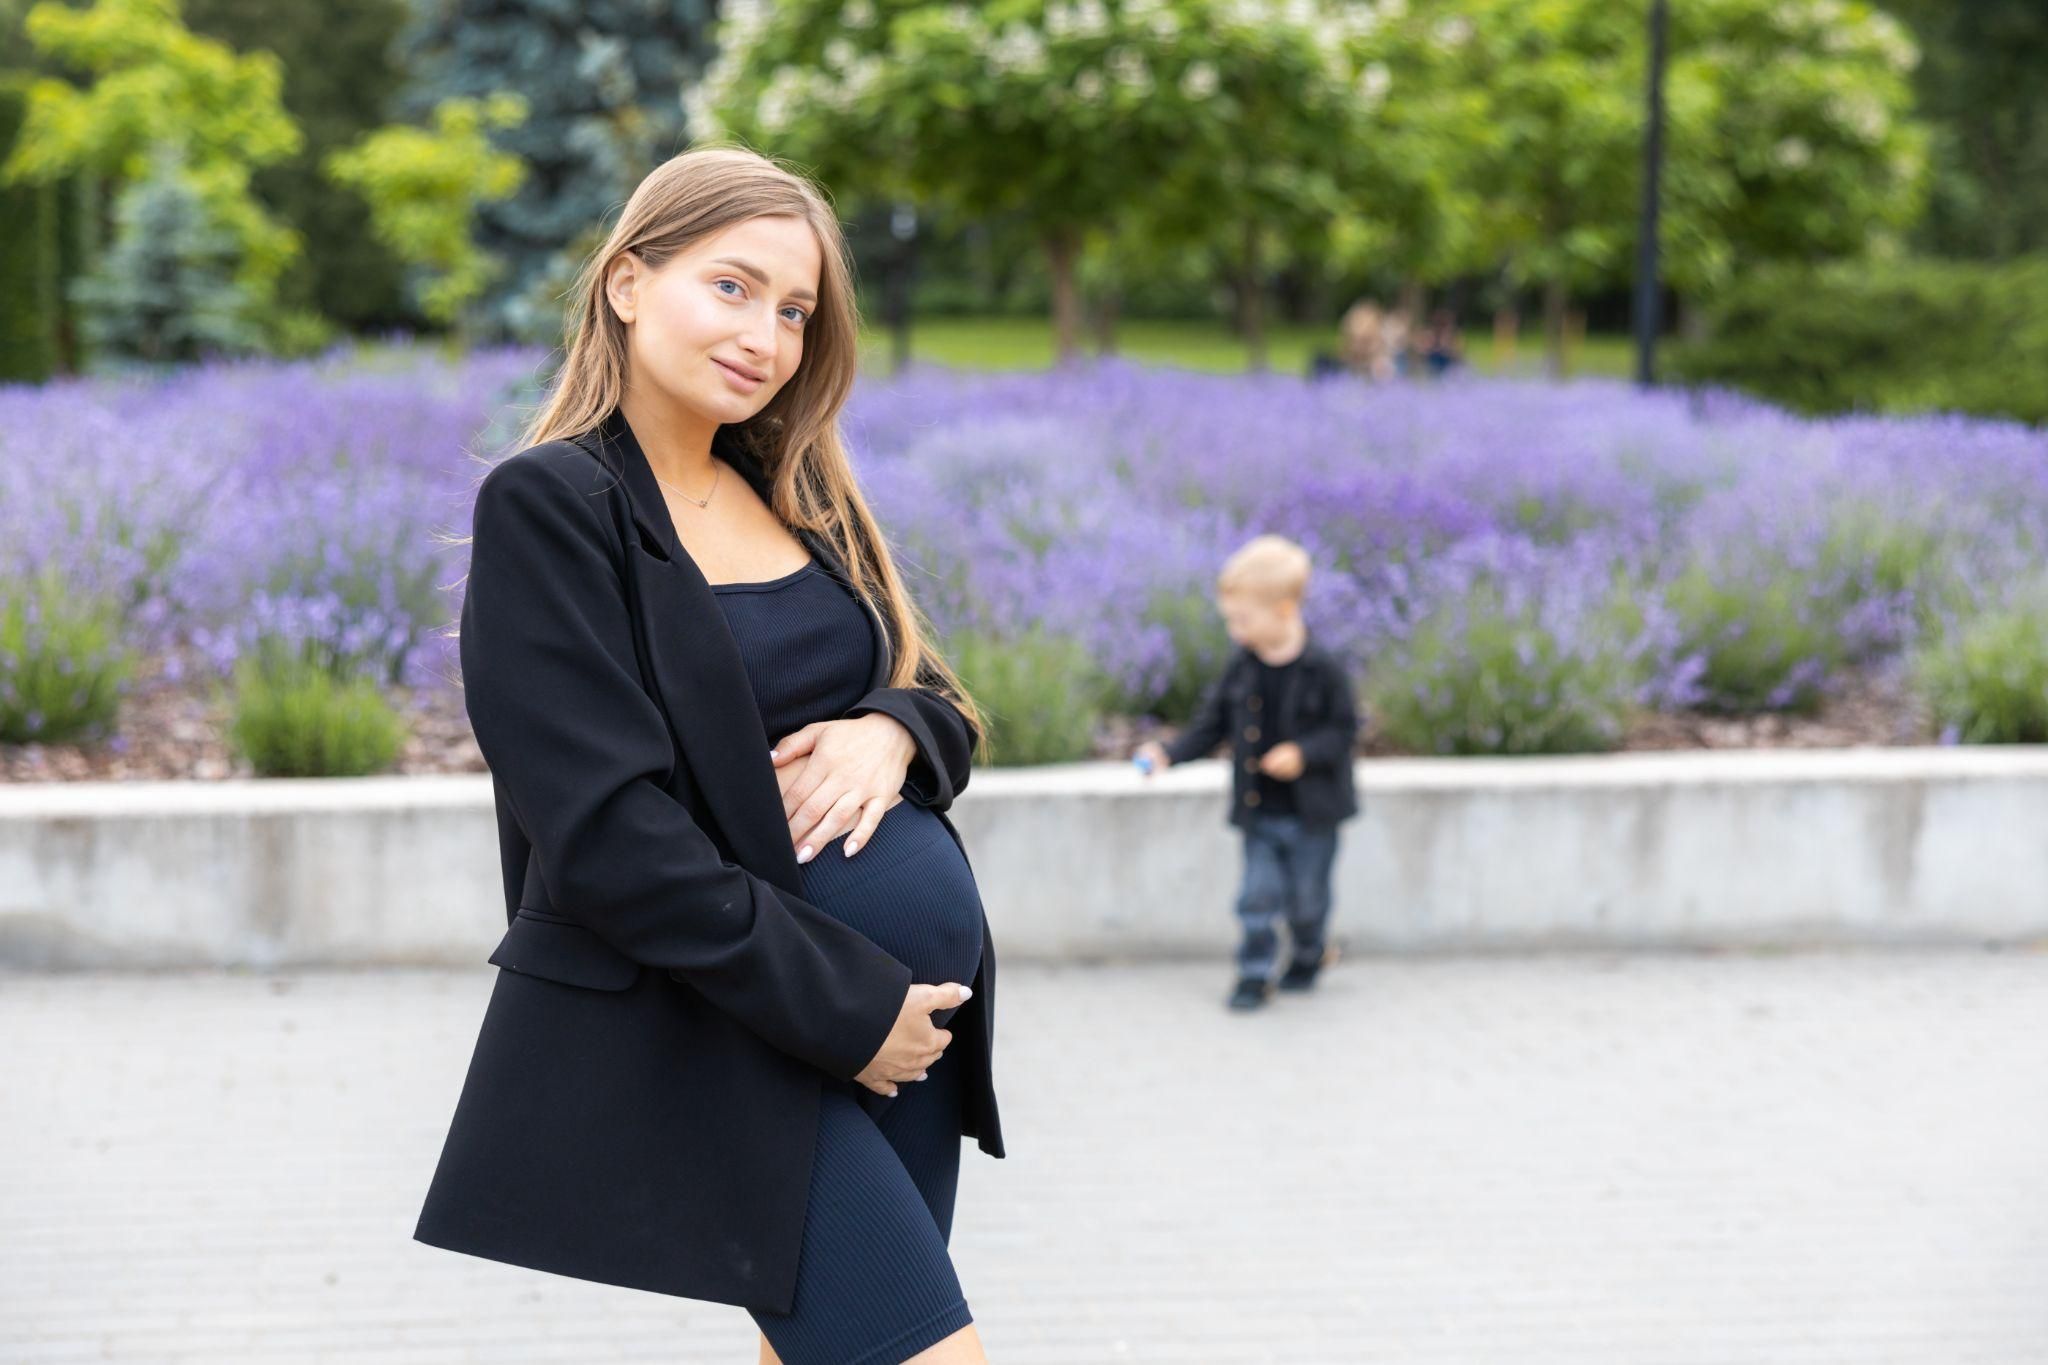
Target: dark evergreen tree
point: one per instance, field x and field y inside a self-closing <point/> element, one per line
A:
<point x="165" y="291"/>
<point x="603" y="80"/>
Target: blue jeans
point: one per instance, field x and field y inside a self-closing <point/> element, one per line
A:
<point x="1286" y="878"/>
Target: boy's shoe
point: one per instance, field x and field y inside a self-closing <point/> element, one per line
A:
<point x="1299" y="978"/>
<point x="1251" y="993"/>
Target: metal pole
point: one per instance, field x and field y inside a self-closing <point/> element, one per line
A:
<point x="1648" y="296"/>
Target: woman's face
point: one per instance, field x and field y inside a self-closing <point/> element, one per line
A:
<point x="719" y="328"/>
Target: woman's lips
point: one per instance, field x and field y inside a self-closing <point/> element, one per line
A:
<point x="738" y="380"/>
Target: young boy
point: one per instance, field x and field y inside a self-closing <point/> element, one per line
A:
<point x="1286" y="706"/>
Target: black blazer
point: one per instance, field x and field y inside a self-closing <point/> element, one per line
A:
<point x="641" y="1106"/>
<point x="1316" y="711"/>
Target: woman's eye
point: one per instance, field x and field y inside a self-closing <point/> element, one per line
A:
<point x="801" y="315"/>
<point x="722" y="282"/>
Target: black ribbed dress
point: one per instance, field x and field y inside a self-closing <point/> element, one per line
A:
<point x="874" y="1280"/>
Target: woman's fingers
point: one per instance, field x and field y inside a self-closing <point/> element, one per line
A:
<point x="870" y="816"/>
<point x="794" y="746"/>
<point x="842" y="812"/>
<point x="943" y="997"/>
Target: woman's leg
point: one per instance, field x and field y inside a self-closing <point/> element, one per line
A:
<point x="875" y="1284"/>
<point x="962" y="1348"/>
<point x="922" y="1123"/>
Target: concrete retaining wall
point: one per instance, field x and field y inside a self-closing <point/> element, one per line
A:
<point x="1091" y="860"/>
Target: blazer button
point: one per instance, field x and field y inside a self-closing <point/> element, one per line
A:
<point x="1251" y="732"/>
<point x="1251" y="798"/>
<point x="1251" y="764"/>
<point x="1252" y="701"/>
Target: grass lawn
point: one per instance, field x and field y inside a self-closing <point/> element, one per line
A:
<point x="1009" y="343"/>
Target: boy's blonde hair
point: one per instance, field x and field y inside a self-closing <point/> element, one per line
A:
<point x="1270" y="568"/>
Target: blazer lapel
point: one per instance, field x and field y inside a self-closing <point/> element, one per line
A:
<point x="695" y="661"/>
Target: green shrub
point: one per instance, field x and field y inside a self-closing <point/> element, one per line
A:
<point x="1871" y="553"/>
<point x="291" y="717"/>
<point x="1987" y="681"/>
<point x="1873" y="336"/>
<point x="1766" y="645"/>
<point x="1042" y="694"/>
<point x="1477" y="677"/>
<point x="1200" y="645"/>
<point x="62" y="662"/>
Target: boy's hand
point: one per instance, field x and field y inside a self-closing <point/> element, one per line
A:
<point x="1282" y="761"/>
<point x="1155" y="752"/>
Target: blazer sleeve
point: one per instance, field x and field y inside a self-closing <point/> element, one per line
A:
<point x="945" y="741"/>
<point x="581" y="752"/>
<point x="1330" y="741"/>
<point x="1210" y="724"/>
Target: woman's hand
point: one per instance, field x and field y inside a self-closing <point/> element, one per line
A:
<point x="915" y="1043"/>
<point x="838" y="775"/>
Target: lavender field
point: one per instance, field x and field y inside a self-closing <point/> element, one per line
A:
<point x="1510" y="566"/>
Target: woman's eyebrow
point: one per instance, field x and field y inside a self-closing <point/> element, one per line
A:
<point x="761" y="278"/>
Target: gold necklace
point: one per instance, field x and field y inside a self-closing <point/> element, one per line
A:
<point x="717" y="469"/>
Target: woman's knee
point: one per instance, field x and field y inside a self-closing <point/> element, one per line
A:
<point x="961" y="1348"/>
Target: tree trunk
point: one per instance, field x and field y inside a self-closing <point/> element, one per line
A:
<point x="1105" y="315"/>
<point x="1061" y="249"/>
<point x="1251" y="297"/>
<point x="1556" y="300"/>
<point x="1414" y="298"/>
<point x="1507" y="328"/>
<point x="1692" y="319"/>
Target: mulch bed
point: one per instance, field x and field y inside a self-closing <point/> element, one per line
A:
<point x="170" y="730"/>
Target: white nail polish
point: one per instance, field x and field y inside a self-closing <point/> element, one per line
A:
<point x="804" y="854"/>
<point x="849" y="846"/>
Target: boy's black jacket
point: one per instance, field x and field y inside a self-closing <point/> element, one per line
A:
<point x="1317" y="712"/>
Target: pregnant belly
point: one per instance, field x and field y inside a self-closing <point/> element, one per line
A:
<point x="910" y="890"/>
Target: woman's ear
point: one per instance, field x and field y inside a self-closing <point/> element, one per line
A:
<point x="622" y="284"/>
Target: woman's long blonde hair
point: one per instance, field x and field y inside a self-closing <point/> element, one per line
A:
<point x="796" y="436"/>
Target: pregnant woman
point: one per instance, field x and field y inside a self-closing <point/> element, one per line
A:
<point x="746" y="1001"/>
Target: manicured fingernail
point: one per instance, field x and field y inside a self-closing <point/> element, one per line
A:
<point x="922" y="1074"/>
<point x="771" y="753"/>
<point x="804" y="854"/>
<point x="849" y="846"/>
<point x="966" y="991"/>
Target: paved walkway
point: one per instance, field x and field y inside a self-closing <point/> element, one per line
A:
<point x="1640" y="1160"/>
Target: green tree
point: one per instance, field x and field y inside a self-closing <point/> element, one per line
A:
<point x="1984" y="84"/>
<point x="153" y="80"/>
<point x="424" y="186"/>
<point x="340" y="82"/>
<point x="1068" y="118"/>
<point x="1276" y="105"/>
<point x="1798" y="141"/>
<point x="1789" y="135"/>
